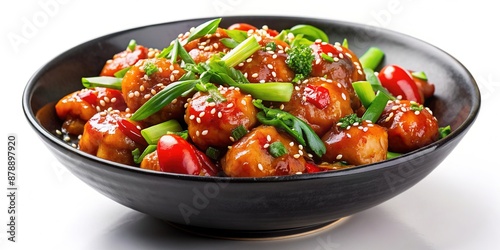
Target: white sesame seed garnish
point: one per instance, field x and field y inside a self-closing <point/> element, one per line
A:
<point x="219" y="114"/>
<point x="339" y="156"/>
<point x="191" y="117"/>
<point x="344" y="97"/>
<point x="296" y="156"/>
<point x="291" y="144"/>
<point x="204" y="132"/>
<point x="261" y="168"/>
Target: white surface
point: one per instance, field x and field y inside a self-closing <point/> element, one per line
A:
<point x="456" y="207"/>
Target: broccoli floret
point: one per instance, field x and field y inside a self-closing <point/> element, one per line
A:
<point x="300" y="58"/>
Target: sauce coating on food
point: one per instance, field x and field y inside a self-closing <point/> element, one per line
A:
<point x="247" y="102"/>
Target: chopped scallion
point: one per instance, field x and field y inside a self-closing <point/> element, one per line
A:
<point x="277" y="149"/>
<point x="239" y="132"/>
<point x="152" y="134"/>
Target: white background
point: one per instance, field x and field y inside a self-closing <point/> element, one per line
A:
<point x="456" y="207"/>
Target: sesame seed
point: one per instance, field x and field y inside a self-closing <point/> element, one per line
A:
<point x="344" y="96"/>
<point x="339" y="156"/>
<point x="219" y="114"/>
<point x="243" y="102"/>
<point x="198" y="120"/>
<point x="268" y="137"/>
<point x="130" y="95"/>
<point x="202" y="114"/>
<point x="348" y="135"/>
<point x="197" y="133"/>
<point x="231" y="138"/>
<point x="266" y="145"/>
<point x="102" y="103"/>
<point x="255" y="75"/>
<point x="291" y="144"/>
<point x="191" y="117"/>
<point x="204" y="132"/>
<point x="261" y="168"/>
<point x="296" y="156"/>
<point x="365" y="129"/>
<point x="172" y="78"/>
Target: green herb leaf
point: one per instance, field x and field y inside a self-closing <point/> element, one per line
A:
<point x="420" y="75"/>
<point x="310" y="32"/>
<point x="349" y="120"/>
<point x="208" y="27"/>
<point x="277" y="149"/>
<point x="131" y="45"/>
<point x="102" y="81"/>
<point x="295" y="127"/>
<point x="150" y="68"/>
<point x="444" y="131"/>
<point x="238" y="132"/>
<point x="121" y="73"/>
<point x="163" y="98"/>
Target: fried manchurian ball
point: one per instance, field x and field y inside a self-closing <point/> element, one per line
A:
<point x="145" y="79"/>
<point x="205" y="47"/>
<point x="211" y="123"/>
<point x="409" y="125"/>
<point x="267" y="65"/>
<point x="77" y="108"/>
<point x="251" y="157"/>
<point x="358" y="144"/>
<point x="344" y="68"/>
<point x="320" y="102"/>
<point x="103" y="137"/>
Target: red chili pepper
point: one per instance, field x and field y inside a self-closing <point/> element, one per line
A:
<point x="317" y="95"/>
<point x="88" y="96"/>
<point x="247" y="27"/>
<point x="399" y="81"/>
<point x="312" y="168"/>
<point x="177" y="155"/>
<point x="131" y="131"/>
<point x="321" y="47"/>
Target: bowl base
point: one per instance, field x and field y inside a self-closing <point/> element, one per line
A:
<point x="251" y="235"/>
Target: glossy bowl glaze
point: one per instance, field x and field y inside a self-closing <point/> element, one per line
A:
<point x="250" y="206"/>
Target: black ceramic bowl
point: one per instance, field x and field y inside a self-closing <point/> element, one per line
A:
<point x="249" y="206"/>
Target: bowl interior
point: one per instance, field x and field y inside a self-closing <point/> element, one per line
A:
<point x="247" y="203"/>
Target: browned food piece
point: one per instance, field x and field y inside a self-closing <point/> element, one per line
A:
<point x="361" y="143"/>
<point x="124" y="59"/>
<point x="409" y="125"/>
<point x="250" y="157"/>
<point x="267" y="65"/>
<point x="211" y="123"/>
<point x="344" y="69"/>
<point x="150" y="161"/>
<point x="78" y="107"/>
<point x="103" y="137"/>
<point x="145" y="79"/>
<point x="320" y="102"/>
<point x="203" y="48"/>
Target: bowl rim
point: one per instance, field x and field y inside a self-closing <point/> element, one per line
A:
<point x="49" y="137"/>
